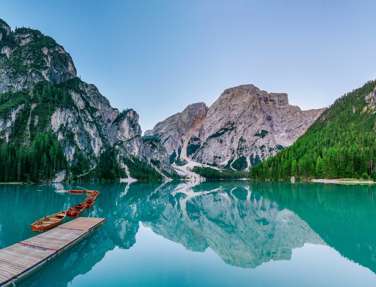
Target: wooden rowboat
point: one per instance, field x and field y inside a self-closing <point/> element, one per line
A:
<point x="92" y="194"/>
<point x="88" y="203"/>
<point x="48" y="222"/>
<point x="77" y="191"/>
<point x="75" y="211"/>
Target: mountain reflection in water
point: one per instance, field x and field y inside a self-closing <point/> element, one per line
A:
<point x="244" y="224"/>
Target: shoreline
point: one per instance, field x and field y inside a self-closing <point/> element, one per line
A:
<point x="344" y="181"/>
<point x="13" y="183"/>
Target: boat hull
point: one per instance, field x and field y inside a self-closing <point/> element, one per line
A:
<point x="48" y="222"/>
<point x="77" y="191"/>
<point x="76" y="210"/>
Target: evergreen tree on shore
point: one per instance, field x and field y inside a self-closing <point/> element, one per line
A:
<point x="39" y="161"/>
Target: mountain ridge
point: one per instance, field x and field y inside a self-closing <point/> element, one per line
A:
<point x="242" y="127"/>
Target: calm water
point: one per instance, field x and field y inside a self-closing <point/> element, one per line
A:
<point x="222" y="234"/>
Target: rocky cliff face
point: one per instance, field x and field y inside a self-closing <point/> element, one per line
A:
<point x="39" y="93"/>
<point x="246" y="125"/>
<point x="242" y="127"/>
<point x="178" y="129"/>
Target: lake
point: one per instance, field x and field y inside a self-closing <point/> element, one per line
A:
<point x="212" y="234"/>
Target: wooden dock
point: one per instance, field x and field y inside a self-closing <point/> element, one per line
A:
<point x="22" y="258"/>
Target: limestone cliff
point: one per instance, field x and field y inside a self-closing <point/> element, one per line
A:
<point x="242" y="127"/>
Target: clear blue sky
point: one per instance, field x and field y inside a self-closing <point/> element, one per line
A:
<point x="158" y="56"/>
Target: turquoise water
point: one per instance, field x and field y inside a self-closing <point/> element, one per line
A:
<point x="213" y="234"/>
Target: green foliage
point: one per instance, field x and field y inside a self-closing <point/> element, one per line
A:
<point x="80" y="166"/>
<point x="340" y="144"/>
<point x="3" y="23"/>
<point x="10" y="101"/>
<point x="41" y="161"/>
<point x="240" y="163"/>
<point x="172" y="157"/>
<point x="229" y="127"/>
<point x="121" y="116"/>
<point x="30" y="56"/>
<point x="45" y="99"/>
<point x="142" y="171"/>
<point x="255" y="160"/>
<point x="214" y="174"/>
<point x="48" y="98"/>
<point x="151" y="138"/>
<point x="108" y="168"/>
<point x="192" y="148"/>
<point x="193" y="145"/>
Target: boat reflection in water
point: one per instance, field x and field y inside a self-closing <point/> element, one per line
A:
<point x="247" y="226"/>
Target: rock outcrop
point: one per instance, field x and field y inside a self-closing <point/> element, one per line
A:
<point x="178" y="128"/>
<point x="243" y="126"/>
<point x="370" y="100"/>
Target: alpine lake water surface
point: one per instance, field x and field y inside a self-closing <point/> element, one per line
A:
<point x="212" y="234"/>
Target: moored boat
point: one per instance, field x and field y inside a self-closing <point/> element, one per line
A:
<point x="89" y="202"/>
<point x="48" y="222"/>
<point x="75" y="211"/>
<point x="92" y="194"/>
<point x="77" y="191"/>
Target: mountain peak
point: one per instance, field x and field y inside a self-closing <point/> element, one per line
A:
<point x="250" y="88"/>
<point x="244" y="93"/>
<point x="196" y="107"/>
<point x="27" y="57"/>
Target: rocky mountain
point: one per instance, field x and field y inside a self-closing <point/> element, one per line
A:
<point x="340" y="144"/>
<point x="43" y="101"/>
<point x="176" y="130"/>
<point x="242" y="127"/>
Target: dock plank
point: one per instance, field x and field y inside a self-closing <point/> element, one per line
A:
<point x="18" y="260"/>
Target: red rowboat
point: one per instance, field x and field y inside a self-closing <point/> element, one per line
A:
<point x="48" y="222"/>
<point x="77" y="191"/>
<point x="92" y="194"/>
<point x="89" y="204"/>
<point x="75" y="211"/>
